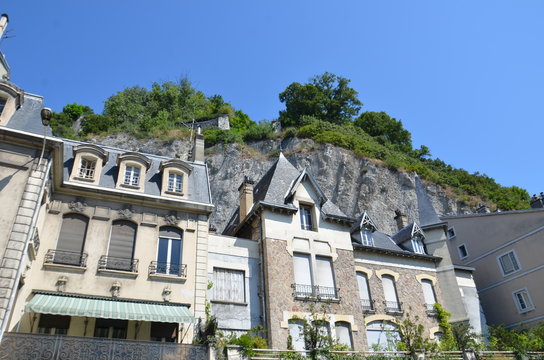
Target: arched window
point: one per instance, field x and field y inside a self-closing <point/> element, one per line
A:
<point x="296" y="332"/>
<point x="364" y="292"/>
<point x="71" y="240"/>
<point x="343" y="333"/>
<point x="121" y="247"/>
<point x="170" y="250"/>
<point x="382" y="336"/>
<point x="428" y="294"/>
<point x="390" y="293"/>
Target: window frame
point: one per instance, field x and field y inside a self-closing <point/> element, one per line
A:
<point x="526" y="298"/>
<point x="512" y="256"/>
<point x="367" y="238"/>
<point x="175" y="186"/>
<point x="370" y="306"/>
<point x="90" y="167"/>
<point x="464" y="246"/>
<point x="397" y="300"/>
<point x="418" y="245"/>
<point x="451" y="233"/>
<point x="313" y="271"/>
<point x="307" y="223"/>
<point x="229" y="301"/>
<point x="133" y="169"/>
<point x="167" y="267"/>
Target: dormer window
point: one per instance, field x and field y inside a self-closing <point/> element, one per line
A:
<point x="132" y="170"/>
<point x="88" y="163"/>
<point x="2" y="104"/>
<point x="306" y="222"/>
<point x="175" y="182"/>
<point x="366" y="238"/>
<point x="87" y="168"/>
<point x="132" y="175"/>
<point x="417" y="245"/>
<point x="175" y="177"/>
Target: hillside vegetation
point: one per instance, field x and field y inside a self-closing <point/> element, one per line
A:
<point x="326" y="109"/>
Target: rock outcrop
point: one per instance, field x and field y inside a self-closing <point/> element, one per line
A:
<point x="353" y="183"/>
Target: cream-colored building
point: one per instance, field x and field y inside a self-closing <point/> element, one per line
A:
<point x="505" y="248"/>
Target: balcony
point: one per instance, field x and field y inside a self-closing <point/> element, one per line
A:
<point x="65" y="258"/>
<point x="170" y="270"/>
<point x="33" y="346"/>
<point x="393" y="307"/>
<point x="111" y="263"/>
<point x="367" y="305"/>
<point x="430" y="310"/>
<point x="315" y="292"/>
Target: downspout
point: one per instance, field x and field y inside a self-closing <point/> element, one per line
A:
<point x="7" y="316"/>
<point x="263" y="287"/>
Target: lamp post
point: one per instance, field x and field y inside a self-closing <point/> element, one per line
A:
<point x="45" y="114"/>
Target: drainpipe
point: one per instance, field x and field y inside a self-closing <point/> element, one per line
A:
<point x="7" y="316"/>
<point x="263" y="287"/>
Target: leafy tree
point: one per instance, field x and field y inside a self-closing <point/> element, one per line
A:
<point x="326" y="97"/>
<point x="62" y="123"/>
<point x="386" y="129"/>
<point x="412" y="336"/>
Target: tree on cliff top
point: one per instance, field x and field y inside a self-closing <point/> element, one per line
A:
<point x="326" y="97"/>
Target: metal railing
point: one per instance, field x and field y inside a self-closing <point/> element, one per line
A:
<point x="117" y="263"/>
<point x="64" y="257"/>
<point x="33" y="346"/>
<point x="315" y="291"/>
<point x="164" y="268"/>
<point x="392" y="306"/>
<point x="36" y="241"/>
<point x="367" y="304"/>
<point x="429" y="308"/>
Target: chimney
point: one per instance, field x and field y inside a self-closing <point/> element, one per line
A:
<point x="483" y="209"/>
<point x="401" y="219"/>
<point x="537" y="202"/>
<point x="4" y="20"/>
<point x="246" y="197"/>
<point x="197" y="153"/>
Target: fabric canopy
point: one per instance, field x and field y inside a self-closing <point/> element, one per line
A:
<point x="109" y="309"/>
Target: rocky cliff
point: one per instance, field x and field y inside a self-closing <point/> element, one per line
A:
<point x="354" y="184"/>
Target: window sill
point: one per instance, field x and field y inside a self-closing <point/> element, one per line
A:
<point x="128" y="186"/>
<point x="118" y="272"/>
<point x="175" y="193"/>
<point x="369" y="311"/>
<point x="90" y="180"/>
<point x="226" y="302"/>
<point x="395" y="312"/>
<point x="81" y="269"/>
<point x="318" y="299"/>
<point x="167" y="277"/>
<point x="522" y="312"/>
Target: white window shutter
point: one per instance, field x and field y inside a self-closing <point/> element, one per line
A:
<point x="324" y="271"/>
<point x="301" y="264"/>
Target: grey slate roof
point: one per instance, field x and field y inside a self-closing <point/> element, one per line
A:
<point x="427" y="214"/>
<point x="383" y="241"/>
<point x="276" y="188"/>
<point x="403" y="234"/>
<point x="27" y="117"/>
<point x="198" y="187"/>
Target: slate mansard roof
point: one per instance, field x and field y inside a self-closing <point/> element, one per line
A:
<point x="198" y="185"/>
<point x="276" y="190"/>
<point x="27" y="117"/>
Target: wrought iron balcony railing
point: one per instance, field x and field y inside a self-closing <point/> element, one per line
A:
<point x="430" y="309"/>
<point x="64" y="257"/>
<point x="117" y="263"/>
<point x="164" y="268"/>
<point x="367" y="304"/>
<point x="315" y="291"/>
<point x="392" y="306"/>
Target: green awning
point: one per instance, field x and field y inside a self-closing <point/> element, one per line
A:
<point x="109" y="309"/>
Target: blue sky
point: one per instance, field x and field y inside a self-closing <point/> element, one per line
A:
<point x="465" y="77"/>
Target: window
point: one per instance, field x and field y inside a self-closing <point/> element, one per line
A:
<point x="2" y="104"/>
<point x="417" y="245"/>
<point x="132" y="175"/>
<point x="366" y="238"/>
<point x="364" y="292"/>
<point x="53" y="324"/>
<point x="428" y="294"/>
<point x="523" y="300"/>
<point x="111" y="328"/>
<point x="462" y="249"/>
<point x="509" y="263"/>
<point x="175" y="182"/>
<point x="164" y="332"/>
<point x="390" y="291"/>
<point x="87" y="168"/>
<point x="170" y="251"/>
<point x="121" y="247"/>
<point x="309" y="282"/>
<point x="296" y="332"/>
<point x="306" y="222"/>
<point x="382" y="336"/>
<point x="229" y="285"/>
<point x="71" y="240"/>
<point x="343" y="334"/>
<point x="451" y="233"/>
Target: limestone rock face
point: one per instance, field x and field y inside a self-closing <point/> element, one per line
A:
<point x="354" y="184"/>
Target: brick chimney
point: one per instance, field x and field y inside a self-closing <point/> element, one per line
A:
<point x="246" y="197"/>
<point x="197" y="153"/>
<point x="401" y="219"/>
